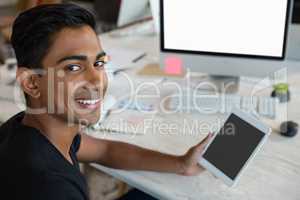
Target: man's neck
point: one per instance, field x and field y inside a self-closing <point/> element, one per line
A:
<point x="56" y="130"/>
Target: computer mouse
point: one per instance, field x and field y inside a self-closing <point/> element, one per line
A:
<point x="289" y="129"/>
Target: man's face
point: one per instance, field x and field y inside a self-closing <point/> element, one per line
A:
<point x="75" y="83"/>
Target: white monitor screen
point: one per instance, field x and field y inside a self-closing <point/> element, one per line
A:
<point x="255" y="28"/>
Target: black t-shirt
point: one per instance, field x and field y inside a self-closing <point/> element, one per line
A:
<point x="32" y="168"/>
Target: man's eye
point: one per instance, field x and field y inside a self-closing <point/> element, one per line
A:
<point x="73" y="68"/>
<point x="99" y="64"/>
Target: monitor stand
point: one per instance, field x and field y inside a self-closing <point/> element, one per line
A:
<point x="226" y="84"/>
<point x="214" y="83"/>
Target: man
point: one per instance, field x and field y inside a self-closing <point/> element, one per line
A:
<point x="61" y="71"/>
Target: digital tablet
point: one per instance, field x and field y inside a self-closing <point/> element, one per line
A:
<point x="232" y="148"/>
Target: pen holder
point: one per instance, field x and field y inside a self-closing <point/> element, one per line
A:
<point x="281" y="91"/>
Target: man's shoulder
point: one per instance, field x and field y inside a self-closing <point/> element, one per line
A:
<point x="21" y="147"/>
<point x="41" y="185"/>
<point x="17" y="154"/>
<point x="12" y="126"/>
<point x="32" y="167"/>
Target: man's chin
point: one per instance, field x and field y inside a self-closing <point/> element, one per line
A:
<point x="84" y="120"/>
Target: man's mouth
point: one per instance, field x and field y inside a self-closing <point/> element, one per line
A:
<point x="88" y="103"/>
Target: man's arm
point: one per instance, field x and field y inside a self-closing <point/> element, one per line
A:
<point x="121" y="155"/>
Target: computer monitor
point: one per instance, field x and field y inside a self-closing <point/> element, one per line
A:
<point x="132" y="11"/>
<point x="122" y="12"/>
<point x="228" y="37"/>
<point x="294" y="36"/>
<point x="296" y="12"/>
<point x="155" y="13"/>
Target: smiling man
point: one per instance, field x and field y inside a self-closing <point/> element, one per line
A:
<point x="61" y="69"/>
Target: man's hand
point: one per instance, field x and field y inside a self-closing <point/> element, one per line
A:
<point x="189" y="161"/>
<point x="111" y="154"/>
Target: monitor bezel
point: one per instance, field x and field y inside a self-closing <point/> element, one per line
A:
<point x="192" y="52"/>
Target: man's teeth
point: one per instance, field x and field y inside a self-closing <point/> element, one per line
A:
<point x="88" y="102"/>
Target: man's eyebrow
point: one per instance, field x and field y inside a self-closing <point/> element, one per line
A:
<point x="100" y="55"/>
<point x="74" y="57"/>
<point x="80" y="57"/>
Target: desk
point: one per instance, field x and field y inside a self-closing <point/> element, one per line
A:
<point x="274" y="173"/>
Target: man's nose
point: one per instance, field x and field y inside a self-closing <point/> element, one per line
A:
<point x="95" y="79"/>
<point x="93" y="76"/>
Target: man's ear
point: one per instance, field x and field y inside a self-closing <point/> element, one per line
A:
<point x="28" y="81"/>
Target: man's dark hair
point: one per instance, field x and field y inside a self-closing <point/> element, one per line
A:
<point x="34" y="29"/>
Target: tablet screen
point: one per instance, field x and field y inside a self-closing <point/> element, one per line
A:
<point x="233" y="146"/>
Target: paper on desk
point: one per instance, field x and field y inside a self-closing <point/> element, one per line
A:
<point x="127" y="122"/>
<point x="121" y="58"/>
<point x="153" y="69"/>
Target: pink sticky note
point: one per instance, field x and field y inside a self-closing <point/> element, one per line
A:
<point x="173" y="65"/>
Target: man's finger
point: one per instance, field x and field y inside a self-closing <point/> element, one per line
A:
<point x="206" y="140"/>
<point x="199" y="147"/>
<point x="200" y="169"/>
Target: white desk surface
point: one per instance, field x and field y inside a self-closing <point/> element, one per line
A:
<point x="274" y="173"/>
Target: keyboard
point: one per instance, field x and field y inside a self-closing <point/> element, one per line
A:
<point x="218" y="103"/>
